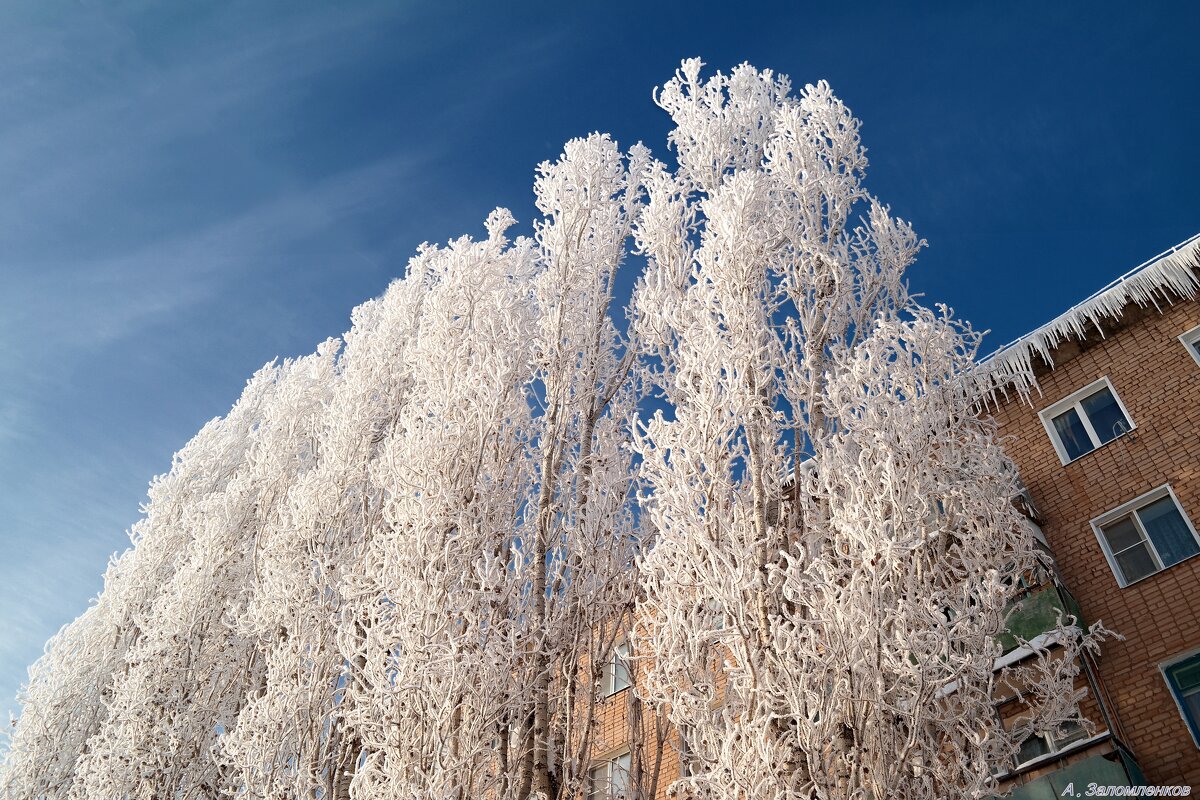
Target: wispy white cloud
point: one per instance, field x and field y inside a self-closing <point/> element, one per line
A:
<point x="51" y="319"/>
<point x="80" y="151"/>
<point x="89" y="303"/>
<point x="86" y="263"/>
<point x="149" y="177"/>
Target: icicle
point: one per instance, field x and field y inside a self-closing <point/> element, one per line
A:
<point x="1167" y="276"/>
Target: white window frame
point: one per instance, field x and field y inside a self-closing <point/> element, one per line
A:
<point x="1193" y="725"/>
<point x="605" y="765"/>
<point x="1075" y="401"/>
<point x="1127" y="510"/>
<point x="619" y="658"/>
<point x="1190" y="340"/>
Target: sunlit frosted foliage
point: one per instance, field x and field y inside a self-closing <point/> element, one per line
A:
<point x="835" y="543"/>
<point x="397" y="567"/>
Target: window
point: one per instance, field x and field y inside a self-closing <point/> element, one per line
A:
<point x="609" y="779"/>
<point x="616" y="671"/>
<point x="687" y="759"/>
<point x="714" y="615"/>
<point x="1039" y="746"/>
<point x="1183" y="677"/>
<point x="1191" y="341"/>
<point x="1044" y="744"/>
<point x="1146" y="535"/>
<point x="1091" y="417"/>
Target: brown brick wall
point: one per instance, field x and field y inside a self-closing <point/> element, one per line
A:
<point x="1159" y="384"/>
<point x="614" y="734"/>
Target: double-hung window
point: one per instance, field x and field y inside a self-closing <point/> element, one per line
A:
<point x="1147" y="534"/>
<point x="609" y="779"/>
<point x="1183" y="676"/>
<point x="1087" y="419"/>
<point x="616" y="671"/>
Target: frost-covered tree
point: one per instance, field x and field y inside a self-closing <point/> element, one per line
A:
<point x="835" y="543"/>
<point x="128" y="695"/>
<point x="387" y="572"/>
<point x="399" y="566"/>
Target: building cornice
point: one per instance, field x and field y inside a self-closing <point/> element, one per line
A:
<point x="1169" y="276"/>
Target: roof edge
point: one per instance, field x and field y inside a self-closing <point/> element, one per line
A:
<point x="1169" y="275"/>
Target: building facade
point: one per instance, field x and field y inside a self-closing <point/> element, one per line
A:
<point x="1108" y="444"/>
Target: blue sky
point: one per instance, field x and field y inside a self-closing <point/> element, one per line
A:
<point x="189" y="190"/>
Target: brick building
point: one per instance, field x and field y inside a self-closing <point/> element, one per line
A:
<point x="1108" y="444"/>
<point x="1109" y="448"/>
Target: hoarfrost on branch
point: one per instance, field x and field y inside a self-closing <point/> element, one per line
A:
<point x="398" y="567"/>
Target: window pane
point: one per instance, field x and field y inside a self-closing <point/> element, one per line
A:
<point x="620" y="668"/>
<point x="1071" y="433"/>
<point x="1186" y="676"/>
<point x="1191" y="704"/>
<point x="1171" y="536"/>
<point x="1105" y="415"/>
<point x="1071" y="732"/>
<point x="1136" y="563"/>
<point x="1121" y="535"/>
<point x="1031" y="748"/>
<point x="598" y="782"/>
<point x="620" y="776"/>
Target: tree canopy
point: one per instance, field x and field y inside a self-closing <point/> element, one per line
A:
<point x="397" y="567"/>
